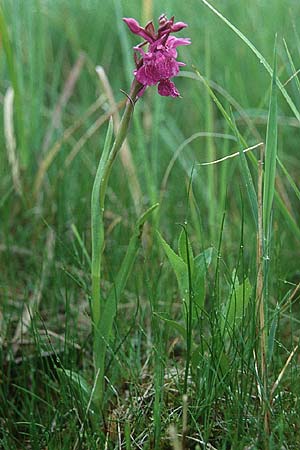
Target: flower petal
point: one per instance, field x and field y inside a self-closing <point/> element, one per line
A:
<point x="135" y="28"/>
<point x="167" y="88"/>
<point x="178" y="26"/>
<point x="174" y="42"/>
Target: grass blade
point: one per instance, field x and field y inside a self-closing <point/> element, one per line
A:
<point x="270" y="154"/>
<point x="294" y="71"/>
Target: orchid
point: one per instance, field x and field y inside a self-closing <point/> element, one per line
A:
<point x="159" y="63"/>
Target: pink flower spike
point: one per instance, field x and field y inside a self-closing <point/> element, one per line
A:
<point x="157" y="64"/>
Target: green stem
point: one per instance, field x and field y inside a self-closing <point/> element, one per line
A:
<point x="99" y="192"/>
<point x="98" y="239"/>
<point x="189" y="316"/>
<point x="120" y="137"/>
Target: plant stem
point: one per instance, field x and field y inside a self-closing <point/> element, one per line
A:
<point x="189" y="317"/>
<point x="98" y="240"/>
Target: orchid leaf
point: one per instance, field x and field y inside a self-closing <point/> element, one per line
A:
<point x="185" y="248"/>
<point x="237" y="303"/>
<point x="178" y="265"/>
<point x="201" y="263"/>
<point x="173" y="324"/>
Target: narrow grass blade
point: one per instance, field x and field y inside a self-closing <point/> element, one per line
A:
<point x="289" y="178"/>
<point x="287" y="216"/>
<point x="270" y="154"/>
<point x="81" y="243"/>
<point x="247" y="177"/>
<point x="295" y="72"/>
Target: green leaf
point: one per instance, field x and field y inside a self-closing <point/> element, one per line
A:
<point x="270" y="154"/>
<point x="178" y="265"/>
<point x="78" y="382"/>
<point x="201" y="263"/>
<point x="236" y="306"/>
<point x="203" y="260"/>
<point x="183" y="243"/>
<point x="173" y="324"/>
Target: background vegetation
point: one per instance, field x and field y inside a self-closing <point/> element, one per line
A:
<point x="48" y="159"/>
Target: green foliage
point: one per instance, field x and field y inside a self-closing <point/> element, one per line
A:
<point x="235" y="308"/>
<point x="198" y="264"/>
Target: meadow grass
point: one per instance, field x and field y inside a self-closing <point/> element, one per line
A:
<point x="203" y="351"/>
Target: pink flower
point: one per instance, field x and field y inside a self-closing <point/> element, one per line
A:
<point x="159" y="63"/>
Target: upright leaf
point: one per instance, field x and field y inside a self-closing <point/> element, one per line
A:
<point x="183" y="242"/>
<point x="178" y="265"/>
<point x="236" y="306"/>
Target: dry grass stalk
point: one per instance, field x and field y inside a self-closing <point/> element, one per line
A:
<point x="147" y="11"/>
<point x="260" y="298"/>
<point x="290" y="299"/>
<point x="232" y="155"/>
<point x="174" y="438"/>
<point x="54" y="150"/>
<point x="88" y="134"/>
<point x="125" y="153"/>
<point x="10" y="139"/>
<point x="279" y="378"/>
<point x="63" y="100"/>
<point x="184" y="421"/>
